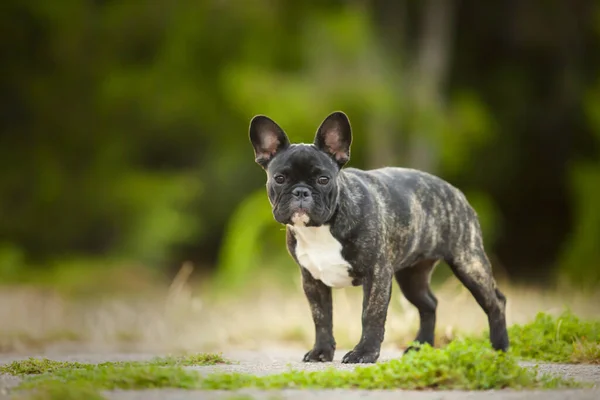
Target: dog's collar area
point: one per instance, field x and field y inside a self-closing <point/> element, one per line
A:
<point x="294" y="228"/>
<point x="334" y="214"/>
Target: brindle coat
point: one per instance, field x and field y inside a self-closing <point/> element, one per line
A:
<point x="391" y="223"/>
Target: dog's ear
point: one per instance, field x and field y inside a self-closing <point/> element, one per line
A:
<point x="267" y="139"/>
<point x="334" y="137"/>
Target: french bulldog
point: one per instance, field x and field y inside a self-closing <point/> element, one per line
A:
<point x="352" y="227"/>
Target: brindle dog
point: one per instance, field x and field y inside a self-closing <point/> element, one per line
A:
<point x="347" y="226"/>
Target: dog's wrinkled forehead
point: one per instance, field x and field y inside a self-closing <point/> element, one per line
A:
<point x="302" y="160"/>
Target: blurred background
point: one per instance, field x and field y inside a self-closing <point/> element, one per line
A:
<point x="124" y="130"/>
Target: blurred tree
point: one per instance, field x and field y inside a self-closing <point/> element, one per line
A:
<point x="124" y="126"/>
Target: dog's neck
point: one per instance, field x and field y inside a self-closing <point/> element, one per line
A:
<point x="347" y="208"/>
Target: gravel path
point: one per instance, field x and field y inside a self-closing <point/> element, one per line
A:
<point x="276" y="360"/>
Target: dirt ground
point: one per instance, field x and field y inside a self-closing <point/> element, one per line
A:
<point x="274" y="360"/>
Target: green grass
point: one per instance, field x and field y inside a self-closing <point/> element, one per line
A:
<point x="586" y="352"/>
<point x="467" y="364"/>
<point x="58" y="380"/>
<point x="61" y="391"/>
<point x="463" y="364"/>
<point x="118" y="377"/>
<point x="35" y="366"/>
<point x="564" y="339"/>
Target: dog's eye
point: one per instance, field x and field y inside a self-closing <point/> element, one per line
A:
<point x="279" y="179"/>
<point x="323" y="180"/>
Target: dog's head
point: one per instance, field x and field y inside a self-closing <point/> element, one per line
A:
<point x="302" y="179"/>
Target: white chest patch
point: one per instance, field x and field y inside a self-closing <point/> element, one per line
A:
<point x="321" y="254"/>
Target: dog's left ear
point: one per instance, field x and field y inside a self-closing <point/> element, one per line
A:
<point x="334" y="137"/>
<point x="267" y="138"/>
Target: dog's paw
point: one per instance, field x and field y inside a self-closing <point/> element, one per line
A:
<point x="416" y="346"/>
<point x="358" y="356"/>
<point x="320" y="354"/>
<point x="412" y="348"/>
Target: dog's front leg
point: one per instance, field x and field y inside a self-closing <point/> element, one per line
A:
<point x="319" y="299"/>
<point x="377" y="290"/>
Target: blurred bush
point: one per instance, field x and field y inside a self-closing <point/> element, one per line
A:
<point x="124" y="131"/>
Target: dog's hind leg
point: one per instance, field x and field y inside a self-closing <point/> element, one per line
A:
<point x="414" y="284"/>
<point x="473" y="269"/>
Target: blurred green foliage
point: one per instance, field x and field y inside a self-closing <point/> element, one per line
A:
<point x="581" y="257"/>
<point x="124" y="130"/>
<point x="554" y="339"/>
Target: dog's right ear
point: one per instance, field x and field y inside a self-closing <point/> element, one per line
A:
<point x="267" y="138"/>
<point x="334" y="137"/>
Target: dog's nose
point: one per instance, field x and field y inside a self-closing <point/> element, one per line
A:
<point x="301" y="193"/>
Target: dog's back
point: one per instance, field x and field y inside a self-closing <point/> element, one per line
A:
<point x="430" y="217"/>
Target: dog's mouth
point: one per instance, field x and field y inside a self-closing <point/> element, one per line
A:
<point x="300" y="217"/>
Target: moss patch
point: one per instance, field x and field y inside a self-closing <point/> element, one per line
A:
<point x="35" y="366"/>
<point x="565" y="339"/>
<point x="184" y="361"/>
<point x="463" y="364"/>
<point x="586" y="352"/>
<point x="61" y="391"/>
<point x="467" y="364"/>
<point x="57" y="380"/>
<point x="117" y="377"/>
